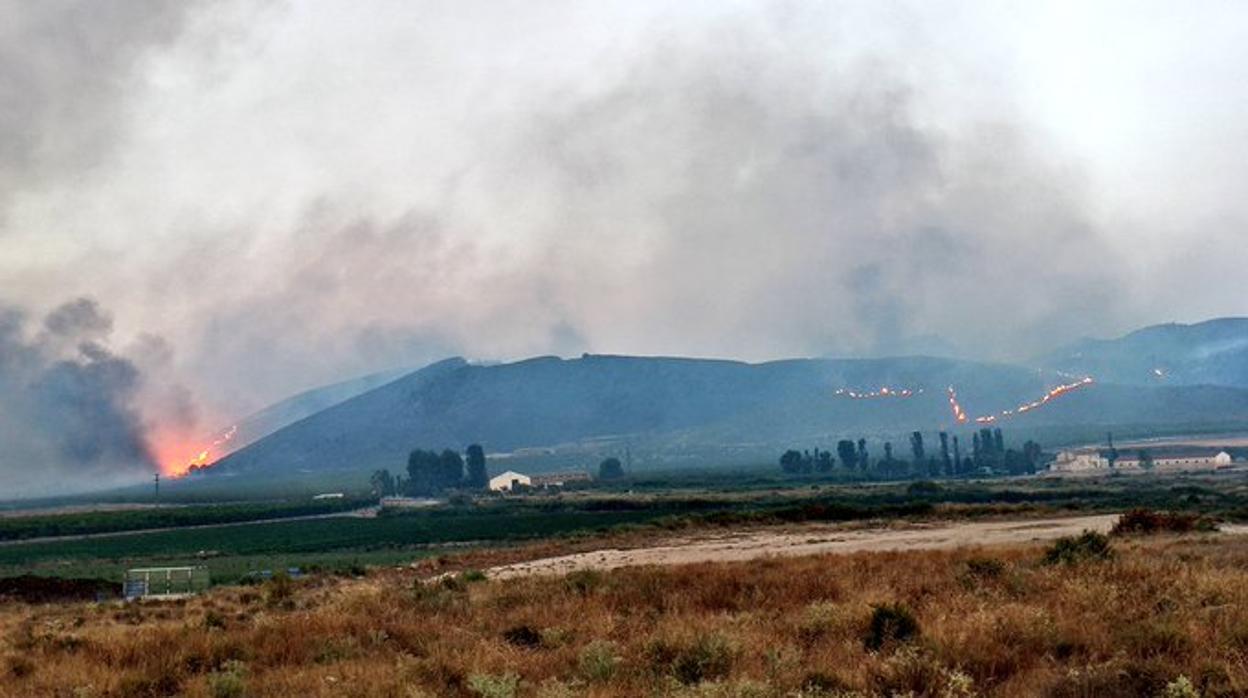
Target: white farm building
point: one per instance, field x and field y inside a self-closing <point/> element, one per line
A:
<point x="1091" y="461"/>
<point x="505" y="482"/>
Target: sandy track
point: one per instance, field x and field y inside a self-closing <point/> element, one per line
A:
<point x="812" y="540"/>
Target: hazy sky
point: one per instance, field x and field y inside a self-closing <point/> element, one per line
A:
<point x="263" y="197"/>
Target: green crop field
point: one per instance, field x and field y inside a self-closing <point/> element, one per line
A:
<point x="341" y="543"/>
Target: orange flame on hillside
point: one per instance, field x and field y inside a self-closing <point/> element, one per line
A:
<point x="959" y="415"/>
<point x="176" y="459"/>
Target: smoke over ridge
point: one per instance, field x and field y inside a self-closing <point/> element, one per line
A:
<point x="273" y="196"/>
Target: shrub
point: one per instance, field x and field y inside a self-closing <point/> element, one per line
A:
<point x="1180" y="688"/>
<point x="1142" y="521"/>
<point x="823" y="619"/>
<point x="439" y="593"/>
<point x="20" y="667"/>
<point x="523" y="636"/>
<point x="924" y="487"/>
<point x="490" y="686"/>
<point x="280" y="590"/>
<point x="1070" y="550"/>
<point x="890" y="624"/>
<point x="214" y="619"/>
<point x="229" y="682"/>
<point x="707" y="657"/>
<point x="162" y="680"/>
<point x="471" y="576"/>
<point x="582" y="581"/>
<point x="819" y="683"/>
<point x="554" y="688"/>
<point x="908" y="673"/>
<point x="1157" y="638"/>
<point x="985" y="568"/>
<point x="598" y="661"/>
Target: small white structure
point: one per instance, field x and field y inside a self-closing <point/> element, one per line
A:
<point x="1222" y="459"/>
<point x="165" y="582"/>
<point x="329" y="495"/>
<point x="1092" y="461"/>
<point x="409" y="502"/>
<point x="1071" y="462"/>
<point x="560" y="479"/>
<point x="505" y="482"/>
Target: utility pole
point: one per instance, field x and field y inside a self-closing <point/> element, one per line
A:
<point x="157" y="476"/>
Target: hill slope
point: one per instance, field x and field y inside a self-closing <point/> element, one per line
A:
<point x="1214" y="352"/>
<point x="682" y="404"/>
<point x="280" y="414"/>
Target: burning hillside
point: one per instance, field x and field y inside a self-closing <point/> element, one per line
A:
<point x="959" y="414"/>
<point x="177" y="459"/>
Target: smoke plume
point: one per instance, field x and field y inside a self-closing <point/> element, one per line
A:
<point x="292" y="194"/>
<point x="68" y="419"/>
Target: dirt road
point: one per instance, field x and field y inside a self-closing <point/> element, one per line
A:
<point x="810" y="540"/>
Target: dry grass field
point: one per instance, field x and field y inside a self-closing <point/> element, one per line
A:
<point x="1164" y="615"/>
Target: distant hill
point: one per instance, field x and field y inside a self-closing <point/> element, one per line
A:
<point x="278" y="415"/>
<point x="1207" y="353"/>
<point x="681" y="406"/>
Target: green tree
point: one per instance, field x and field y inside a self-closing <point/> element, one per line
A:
<point x="863" y="461"/>
<point x="945" y="462"/>
<point x="1146" y="459"/>
<point x="824" y="461"/>
<point x="450" y="470"/>
<point x="478" y="476"/>
<point x="1111" y="454"/>
<point x="612" y="469"/>
<point x="382" y="482"/>
<point x="422" y="473"/>
<point x="847" y="453"/>
<point x="889" y="466"/>
<point x="1031" y="454"/>
<point x="916" y="449"/>
<point x="791" y="461"/>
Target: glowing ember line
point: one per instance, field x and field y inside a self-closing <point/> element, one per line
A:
<point x="1048" y="397"/>
<point x="959" y="415"/>
<point x="882" y="392"/>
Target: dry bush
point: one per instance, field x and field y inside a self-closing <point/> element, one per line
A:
<point x="1070" y="550"/>
<point x="1146" y="522"/>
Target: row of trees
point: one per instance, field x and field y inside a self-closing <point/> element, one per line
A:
<point x="430" y="473"/>
<point x="988" y="455"/>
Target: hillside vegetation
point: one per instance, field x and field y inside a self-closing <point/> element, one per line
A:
<point x="678" y="411"/>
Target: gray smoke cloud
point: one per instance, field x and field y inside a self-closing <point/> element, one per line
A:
<point x="293" y="194"/>
<point x="65" y="69"/>
<point x="68" y="418"/>
<point x="716" y="195"/>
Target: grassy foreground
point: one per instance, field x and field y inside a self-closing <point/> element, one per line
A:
<point x="1162" y="616"/>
